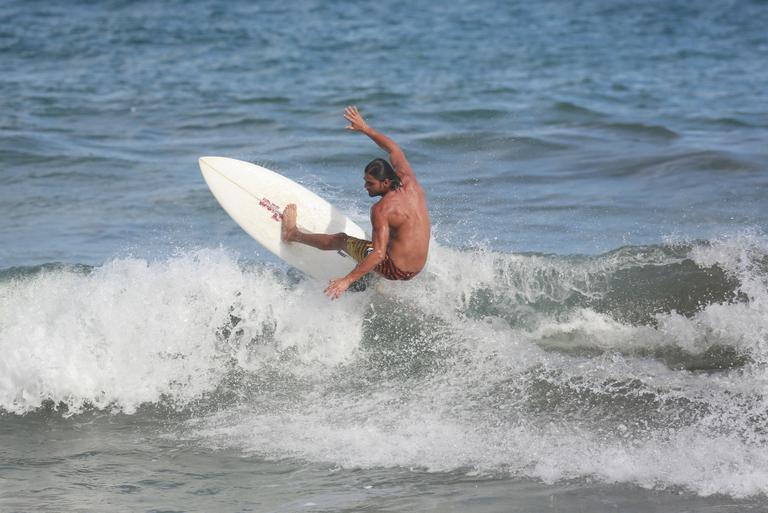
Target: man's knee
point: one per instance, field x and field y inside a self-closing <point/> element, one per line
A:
<point x="339" y="240"/>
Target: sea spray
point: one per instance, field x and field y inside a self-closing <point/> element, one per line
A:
<point x="623" y="403"/>
<point x="133" y="332"/>
<point x="518" y="364"/>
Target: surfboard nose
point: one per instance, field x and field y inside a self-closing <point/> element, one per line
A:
<point x="204" y="162"/>
<point x="214" y="164"/>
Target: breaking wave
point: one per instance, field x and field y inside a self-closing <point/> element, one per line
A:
<point x="644" y="365"/>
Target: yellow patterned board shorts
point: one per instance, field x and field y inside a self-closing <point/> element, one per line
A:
<point x="359" y="249"/>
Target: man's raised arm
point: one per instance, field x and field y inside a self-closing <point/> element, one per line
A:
<point x="396" y="155"/>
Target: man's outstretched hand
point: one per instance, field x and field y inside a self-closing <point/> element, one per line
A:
<point x="337" y="287"/>
<point x="356" y="121"/>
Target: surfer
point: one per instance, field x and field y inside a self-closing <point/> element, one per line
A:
<point x="401" y="227"/>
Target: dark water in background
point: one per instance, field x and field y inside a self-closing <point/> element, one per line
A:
<point x="592" y="331"/>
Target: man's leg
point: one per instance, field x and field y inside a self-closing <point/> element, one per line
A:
<point x="290" y="233"/>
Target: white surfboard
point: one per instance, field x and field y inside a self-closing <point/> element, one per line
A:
<point x="255" y="198"/>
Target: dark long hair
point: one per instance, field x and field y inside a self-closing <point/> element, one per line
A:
<point x="381" y="170"/>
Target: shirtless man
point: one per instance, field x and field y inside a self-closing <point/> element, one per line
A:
<point x="400" y="219"/>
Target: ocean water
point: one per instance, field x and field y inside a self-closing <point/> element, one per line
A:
<point x="590" y="333"/>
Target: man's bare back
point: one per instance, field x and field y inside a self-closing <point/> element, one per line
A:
<point x="405" y="211"/>
<point x="401" y="225"/>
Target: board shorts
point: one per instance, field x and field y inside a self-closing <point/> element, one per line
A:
<point x="359" y="249"/>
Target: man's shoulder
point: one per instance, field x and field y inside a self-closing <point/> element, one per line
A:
<point x="380" y="206"/>
<point x="388" y="204"/>
<point x="383" y="204"/>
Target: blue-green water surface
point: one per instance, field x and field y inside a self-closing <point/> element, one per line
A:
<point x="591" y="331"/>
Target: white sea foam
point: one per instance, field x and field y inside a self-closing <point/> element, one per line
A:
<point x="492" y="364"/>
<point x="429" y="433"/>
<point x="628" y="419"/>
<point x="133" y="332"/>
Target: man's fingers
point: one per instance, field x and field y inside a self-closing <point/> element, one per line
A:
<point x="331" y="291"/>
<point x="352" y="111"/>
<point x="356" y="121"/>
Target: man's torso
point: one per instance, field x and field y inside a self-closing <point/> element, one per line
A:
<point x="409" y="226"/>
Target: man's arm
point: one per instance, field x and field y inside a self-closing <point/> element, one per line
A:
<point x="396" y="155"/>
<point x="380" y="241"/>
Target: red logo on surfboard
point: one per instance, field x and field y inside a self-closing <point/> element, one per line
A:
<point x="271" y="207"/>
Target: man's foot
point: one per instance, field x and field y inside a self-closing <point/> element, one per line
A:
<point x="288" y="229"/>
